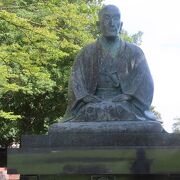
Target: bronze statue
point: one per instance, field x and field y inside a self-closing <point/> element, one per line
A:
<point x="110" y="79"/>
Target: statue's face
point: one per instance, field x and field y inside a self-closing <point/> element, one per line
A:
<point x="110" y="22"/>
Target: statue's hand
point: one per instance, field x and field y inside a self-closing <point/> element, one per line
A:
<point x="91" y="99"/>
<point x="121" y="97"/>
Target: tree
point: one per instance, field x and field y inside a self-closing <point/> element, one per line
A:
<point x="176" y="125"/>
<point x="38" y="43"/>
<point x="134" y="38"/>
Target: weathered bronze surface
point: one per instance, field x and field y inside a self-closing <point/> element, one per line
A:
<point x="110" y="79"/>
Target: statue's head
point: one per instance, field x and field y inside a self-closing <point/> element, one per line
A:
<point x="110" y="21"/>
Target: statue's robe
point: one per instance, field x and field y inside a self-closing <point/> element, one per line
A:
<point x="133" y="75"/>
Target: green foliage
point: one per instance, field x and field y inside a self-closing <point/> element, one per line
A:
<point x="8" y="132"/>
<point x="38" y="43"/>
<point x="176" y="125"/>
<point x="135" y="38"/>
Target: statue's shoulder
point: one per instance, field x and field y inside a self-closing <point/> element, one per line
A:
<point x="89" y="48"/>
<point x="86" y="52"/>
<point x="133" y="49"/>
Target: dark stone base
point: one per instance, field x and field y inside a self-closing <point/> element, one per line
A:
<point x="96" y="151"/>
<point x="62" y="140"/>
<point x="107" y="127"/>
<point x="115" y="161"/>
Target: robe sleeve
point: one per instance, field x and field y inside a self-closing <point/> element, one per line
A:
<point x="83" y="78"/>
<point x="77" y="87"/>
<point x="137" y="80"/>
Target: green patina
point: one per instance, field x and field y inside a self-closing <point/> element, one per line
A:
<point x="117" y="161"/>
<point x="55" y="162"/>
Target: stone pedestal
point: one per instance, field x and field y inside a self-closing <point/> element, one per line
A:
<point x="107" y="127"/>
<point x="94" y="151"/>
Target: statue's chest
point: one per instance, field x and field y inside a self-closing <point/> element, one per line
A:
<point x="108" y="72"/>
<point x="107" y="64"/>
<point x="110" y="65"/>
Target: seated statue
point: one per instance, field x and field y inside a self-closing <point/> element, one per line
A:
<point x="110" y="79"/>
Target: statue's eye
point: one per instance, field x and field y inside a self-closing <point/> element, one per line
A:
<point x="116" y="17"/>
<point x="106" y="17"/>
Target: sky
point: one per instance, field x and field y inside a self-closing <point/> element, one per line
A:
<point x="158" y="20"/>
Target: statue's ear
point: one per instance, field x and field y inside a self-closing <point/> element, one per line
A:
<point x="121" y="25"/>
<point x="98" y="25"/>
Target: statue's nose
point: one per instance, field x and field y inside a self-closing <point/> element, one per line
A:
<point x="112" y="22"/>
